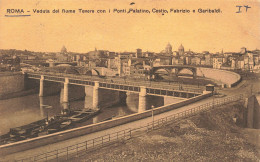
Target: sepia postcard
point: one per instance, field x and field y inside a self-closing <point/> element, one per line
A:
<point x="129" y="80"/>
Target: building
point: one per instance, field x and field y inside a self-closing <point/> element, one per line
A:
<point x="175" y="60"/>
<point x="217" y="62"/>
<point x="188" y="60"/>
<point x="97" y="54"/>
<point x="125" y="55"/>
<point x="243" y="50"/>
<point x="162" y="61"/>
<point x="62" y="56"/>
<point x="110" y="54"/>
<point x="194" y="60"/>
<point x="168" y="49"/>
<point x="179" y="60"/>
<point x="139" y="53"/>
<point x="112" y="63"/>
<point x="181" y="50"/>
<point x="208" y="60"/>
<point x="148" y="54"/>
<point x="175" y="54"/>
<point x="202" y="62"/>
<point x="16" y="61"/>
<point x="248" y="61"/>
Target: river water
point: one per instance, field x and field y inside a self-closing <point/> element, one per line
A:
<point x="19" y="111"/>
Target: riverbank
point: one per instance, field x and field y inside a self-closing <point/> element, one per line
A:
<point x="208" y="136"/>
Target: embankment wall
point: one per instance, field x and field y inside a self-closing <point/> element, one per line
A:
<point x="11" y="83"/>
<point x="228" y="78"/>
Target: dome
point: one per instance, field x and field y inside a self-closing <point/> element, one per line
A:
<point x="63" y="49"/>
<point x="181" y="47"/>
<point x="168" y="45"/>
<point x="168" y="48"/>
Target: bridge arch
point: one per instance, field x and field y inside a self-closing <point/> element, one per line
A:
<point x="64" y="65"/>
<point x="90" y="72"/>
<point x="193" y="71"/>
<point x="138" y="64"/>
<point x="177" y="68"/>
<point x="166" y="69"/>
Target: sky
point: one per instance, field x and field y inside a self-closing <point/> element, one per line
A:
<point x="126" y="32"/>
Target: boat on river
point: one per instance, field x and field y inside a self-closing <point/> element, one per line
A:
<point x="57" y="126"/>
<point x="64" y="121"/>
<point x="23" y="132"/>
<point x="84" y="115"/>
<point x="46" y="126"/>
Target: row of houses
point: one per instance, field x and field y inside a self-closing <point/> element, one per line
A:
<point x="246" y="60"/>
<point x="130" y="63"/>
<point x="139" y="62"/>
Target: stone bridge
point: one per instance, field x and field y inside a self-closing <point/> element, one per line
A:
<point x="177" y="68"/>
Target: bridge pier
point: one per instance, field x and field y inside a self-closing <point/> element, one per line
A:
<point x="70" y="92"/>
<point x="66" y="105"/>
<point x="102" y="98"/>
<point x="66" y="90"/>
<point x="194" y="75"/>
<point x="95" y="95"/>
<point x="86" y="103"/>
<point x="51" y="64"/>
<point x="176" y="72"/>
<point x="41" y="106"/>
<point x="41" y="86"/>
<point x="142" y="106"/>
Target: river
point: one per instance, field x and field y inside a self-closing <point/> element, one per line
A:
<point x="19" y="111"/>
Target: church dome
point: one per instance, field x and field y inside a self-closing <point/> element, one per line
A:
<point x="181" y="47"/>
<point x="168" y="48"/>
<point x="63" y="49"/>
<point x="168" y="45"/>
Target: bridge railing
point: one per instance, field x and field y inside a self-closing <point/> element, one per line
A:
<point x="83" y="147"/>
<point x="153" y="84"/>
